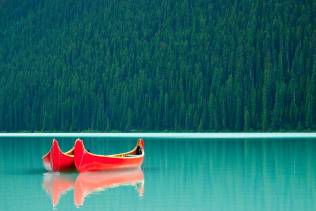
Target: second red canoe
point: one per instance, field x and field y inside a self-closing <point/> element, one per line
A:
<point x="86" y="161"/>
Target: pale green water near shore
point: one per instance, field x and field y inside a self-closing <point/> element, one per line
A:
<point x="169" y="135"/>
<point x="183" y="174"/>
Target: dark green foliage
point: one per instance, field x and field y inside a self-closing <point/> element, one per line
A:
<point x="157" y="65"/>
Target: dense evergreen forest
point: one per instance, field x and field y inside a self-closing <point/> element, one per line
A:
<point x="154" y="65"/>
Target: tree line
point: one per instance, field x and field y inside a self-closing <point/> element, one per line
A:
<point x="158" y="65"/>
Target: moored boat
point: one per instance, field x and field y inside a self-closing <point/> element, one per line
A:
<point x="56" y="160"/>
<point x="87" y="161"/>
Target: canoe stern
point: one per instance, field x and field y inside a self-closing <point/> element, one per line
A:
<point x="56" y="160"/>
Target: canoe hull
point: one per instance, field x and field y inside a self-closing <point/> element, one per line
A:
<point x="85" y="161"/>
<point x="56" y="160"/>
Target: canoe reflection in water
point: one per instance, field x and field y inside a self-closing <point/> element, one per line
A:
<point x="57" y="184"/>
<point x="90" y="182"/>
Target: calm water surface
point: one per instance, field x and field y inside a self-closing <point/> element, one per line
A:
<point x="265" y="174"/>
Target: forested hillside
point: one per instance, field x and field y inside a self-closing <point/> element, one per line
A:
<point x="151" y="65"/>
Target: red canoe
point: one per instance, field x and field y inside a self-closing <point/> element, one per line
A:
<point x="56" y="160"/>
<point x="86" y="161"/>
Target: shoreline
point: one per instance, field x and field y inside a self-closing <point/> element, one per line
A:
<point x="162" y="135"/>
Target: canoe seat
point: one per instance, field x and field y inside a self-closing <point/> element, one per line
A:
<point x="130" y="156"/>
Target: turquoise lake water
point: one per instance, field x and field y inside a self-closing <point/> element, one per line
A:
<point x="177" y="174"/>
